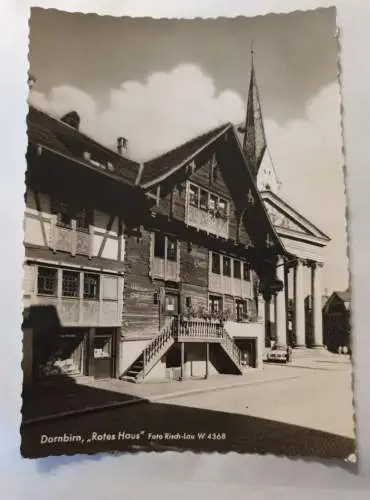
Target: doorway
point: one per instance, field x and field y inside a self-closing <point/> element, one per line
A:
<point x="103" y="355"/>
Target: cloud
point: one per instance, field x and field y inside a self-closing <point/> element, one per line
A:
<point x="166" y="110"/>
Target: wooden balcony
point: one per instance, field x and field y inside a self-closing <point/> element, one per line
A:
<point x="204" y="220"/>
<point x="71" y="240"/>
<point x="230" y="286"/>
<point x="165" y="269"/>
<point x="198" y="330"/>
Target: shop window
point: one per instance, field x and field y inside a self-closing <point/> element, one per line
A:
<point x="91" y="286"/>
<point x="70" y="284"/>
<point x="47" y="281"/>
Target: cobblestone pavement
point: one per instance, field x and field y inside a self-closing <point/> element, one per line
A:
<point x="308" y="414"/>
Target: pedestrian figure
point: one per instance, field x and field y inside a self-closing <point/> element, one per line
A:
<point x="288" y="354"/>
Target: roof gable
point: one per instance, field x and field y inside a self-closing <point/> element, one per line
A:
<point x="61" y="138"/>
<point x="163" y="166"/>
<point x="287" y="221"/>
<point x="179" y="165"/>
<point x="338" y="297"/>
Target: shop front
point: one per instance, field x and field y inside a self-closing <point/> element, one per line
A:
<point x="74" y="352"/>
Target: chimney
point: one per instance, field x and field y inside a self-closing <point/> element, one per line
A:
<point x="31" y="81"/>
<point x="121" y="145"/>
<point x="72" y="119"/>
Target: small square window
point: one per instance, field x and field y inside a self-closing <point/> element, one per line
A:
<point x="47" y="281"/>
<point x="91" y="286"/>
<point x="71" y="284"/>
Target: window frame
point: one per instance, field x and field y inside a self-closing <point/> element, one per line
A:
<point x="53" y="270"/>
<point x="229" y="260"/>
<point x="195" y="200"/>
<point x="212" y="299"/>
<point x="66" y="272"/>
<point x="96" y="296"/>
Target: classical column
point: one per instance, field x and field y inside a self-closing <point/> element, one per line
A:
<point x="300" y="330"/>
<point x="286" y="296"/>
<point x="280" y="308"/>
<point x="267" y="322"/>
<point x="316" y="291"/>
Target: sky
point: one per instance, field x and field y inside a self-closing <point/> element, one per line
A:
<point x="161" y="82"/>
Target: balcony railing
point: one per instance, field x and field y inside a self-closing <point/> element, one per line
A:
<point x="230" y="286"/>
<point x="199" y="329"/>
<point x="82" y="312"/>
<point x="165" y="269"/>
<point x="206" y="221"/>
<point x="71" y="239"/>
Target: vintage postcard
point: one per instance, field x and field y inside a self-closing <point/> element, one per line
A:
<point x="186" y="282"/>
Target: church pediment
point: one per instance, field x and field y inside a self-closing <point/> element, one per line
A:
<point x="287" y="220"/>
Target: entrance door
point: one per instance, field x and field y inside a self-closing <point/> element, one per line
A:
<point x="103" y="359"/>
<point x="171" y="305"/>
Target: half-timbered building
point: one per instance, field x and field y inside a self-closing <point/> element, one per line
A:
<point x="77" y="193"/>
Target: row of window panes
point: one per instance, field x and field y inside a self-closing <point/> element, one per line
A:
<point x="165" y="247"/>
<point x="47" y="283"/>
<point x="203" y="199"/>
<point x="227" y="262"/>
<point x="242" y="307"/>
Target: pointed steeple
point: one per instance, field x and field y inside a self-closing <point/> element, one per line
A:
<point x="254" y="142"/>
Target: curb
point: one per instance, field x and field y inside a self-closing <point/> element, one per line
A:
<point x="150" y="399"/>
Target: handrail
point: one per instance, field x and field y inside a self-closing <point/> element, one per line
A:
<point x="156" y="344"/>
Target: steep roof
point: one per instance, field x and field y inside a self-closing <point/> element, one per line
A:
<point x="164" y="165"/>
<point x="344" y="296"/>
<point x="52" y="133"/>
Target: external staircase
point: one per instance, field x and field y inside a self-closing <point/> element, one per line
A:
<point x="188" y="331"/>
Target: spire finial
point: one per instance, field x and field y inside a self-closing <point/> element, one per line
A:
<point x="252" y="50"/>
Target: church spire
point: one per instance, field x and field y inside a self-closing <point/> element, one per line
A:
<point x="254" y="142"/>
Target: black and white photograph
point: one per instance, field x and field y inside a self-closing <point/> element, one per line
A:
<point x="186" y="278"/>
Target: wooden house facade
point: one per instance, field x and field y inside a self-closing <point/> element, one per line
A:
<point x="142" y="269"/>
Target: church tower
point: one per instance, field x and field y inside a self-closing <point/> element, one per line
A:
<point x="253" y="139"/>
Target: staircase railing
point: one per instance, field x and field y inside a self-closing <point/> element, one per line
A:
<point x="233" y="350"/>
<point x="156" y="345"/>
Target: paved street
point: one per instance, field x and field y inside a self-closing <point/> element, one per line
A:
<point x="309" y="413"/>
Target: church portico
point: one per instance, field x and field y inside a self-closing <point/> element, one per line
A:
<point x="302" y="269"/>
